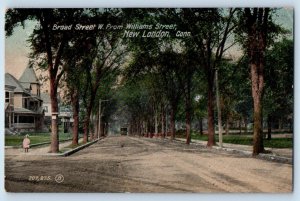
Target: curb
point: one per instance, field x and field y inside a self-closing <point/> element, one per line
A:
<point x="268" y="157"/>
<point x="72" y="151"/>
<point x="68" y="153"/>
<point x="275" y="158"/>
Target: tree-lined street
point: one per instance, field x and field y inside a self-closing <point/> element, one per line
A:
<point x="152" y="81"/>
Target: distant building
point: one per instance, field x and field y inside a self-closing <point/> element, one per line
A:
<point x="65" y="114"/>
<point x="23" y="104"/>
<point x="47" y="108"/>
<point x="66" y="117"/>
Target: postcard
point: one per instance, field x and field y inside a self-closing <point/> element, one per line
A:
<point x="149" y="100"/>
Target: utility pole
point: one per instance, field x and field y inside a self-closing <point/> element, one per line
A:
<point x="99" y="126"/>
<point x="220" y="129"/>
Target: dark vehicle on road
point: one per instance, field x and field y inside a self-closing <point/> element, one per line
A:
<point x="123" y="130"/>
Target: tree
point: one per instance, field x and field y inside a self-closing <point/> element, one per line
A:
<point x="75" y="57"/>
<point x="211" y="29"/>
<point x="107" y="99"/>
<point x="278" y="95"/>
<point x="47" y="47"/>
<point x="235" y="93"/>
<point x="187" y="71"/>
<point x="156" y="72"/>
<point x="133" y="101"/>
<point x="171" y="68"/>
<point x="258" y="29"/>
<point x="72" y="79"/>
<point x="106" y="55"/>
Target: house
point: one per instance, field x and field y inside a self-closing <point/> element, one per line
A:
<point x="23" y="104"/>
<point x="66" y="117"/>
<point x="65" y="114"/>
<point x="9" y="105"/>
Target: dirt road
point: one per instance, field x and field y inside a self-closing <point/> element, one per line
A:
<point x="127" y="164"/>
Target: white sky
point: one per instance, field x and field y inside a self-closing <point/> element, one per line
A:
<point x="17" y="49"/>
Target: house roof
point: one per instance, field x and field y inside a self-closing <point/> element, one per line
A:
<point x="26" y="111"/>
<point x="23" y="111"/>
<point x="25" y="85"/>
<point x="37" y="98"/>
<point x="9" y="87"/>
<point x="12" y="81"/>
<point x="29" y="76"/>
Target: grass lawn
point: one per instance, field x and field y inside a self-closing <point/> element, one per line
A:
<point x="247" y="140"/>
<point x="15" y="140"/>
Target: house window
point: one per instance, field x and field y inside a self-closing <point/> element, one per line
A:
<point x="46" y="109"/>
<point x="7" y="97"/>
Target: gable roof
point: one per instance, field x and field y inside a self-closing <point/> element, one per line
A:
<point x="29" y="76"/>
<point x="12" y="81"/>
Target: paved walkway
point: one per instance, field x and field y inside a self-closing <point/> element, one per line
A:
<point x="39" y="150"/>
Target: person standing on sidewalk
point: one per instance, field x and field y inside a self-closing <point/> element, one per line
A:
<point x="26" y="143"/>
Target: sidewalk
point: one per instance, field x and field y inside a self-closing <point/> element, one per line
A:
<point x="37" y="150"/>
<point x="280" y="155"/>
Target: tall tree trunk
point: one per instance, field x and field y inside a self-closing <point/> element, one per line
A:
<point x="257" y="82"/>
<point x="140" y="127"/>
<point x="75" y="106"/>
<point x="269" y="127"/>
<point x="245" y="124"/>
<point x="211" y="129"/>
<point x="91" y="130"/>
<point x="95" y="120"/>
<point x="102" y="132"/>
<point x="188" y="114"/>
<point x="98" y="127"/>
<point x="155" y="122"/>
<point x="87" y="123"/>
<point x="188" y="126"/>
<point x="172" y="122"/>
<point x="148" y="128"/>
<point x="166" y="118"/>
<point x="163" y="120"/>
<point x="104" y="126"/>
<point x="89" y="108"/>
<point x="257" y="30"/>
<point x="54" y="119"/>
<point x="201" y="125"/>
<point x="280" y="124"/>
<point x="53" y="68"/>
<point x="227" y="126"/>
<point x="240" y="126"/>
<point x="145" y="128"/>
<point x="258" y="146"/>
